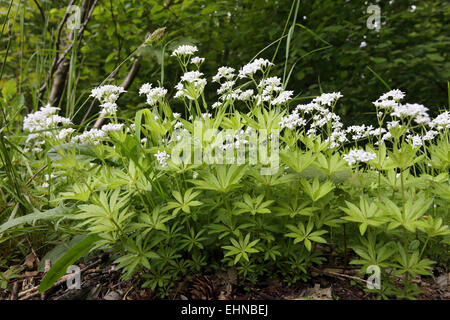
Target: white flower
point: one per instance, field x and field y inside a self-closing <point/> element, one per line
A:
<point x="94" y="136"/>
<point x="386" y="104"/>
<point x="194" y="87"/>
<point x="112" y="127"/>
<point x="358" y="155"/>
<point x="155" y="95"/>
<point x="283" y="97"/>
<point x="234" y="95"/>
<point x="216" y="104"/>
<point x="226" y="86"/>
<point x="162" y="158"/>
<point x="253" y="67"/>
<point x="328" y="98"/>
<point x="45" y="123"/>
<point x="292" y="121"/>
<point x="45" y="185"/>
<point x="178" y="125"/>
<point x="197" y="60"/>
<point x="246" y="95"/>
<point x="386" y="136"/>
<point x="416" y="141"/>
<point x="359" y="132"/>
<point x="176" y="115"/>
<point x="107" y="93"/>
<point x="44" y="119"/>
<point x="393" y="124"/>
<point x="442" y="121"/>
<point x="307" y="108"/>
<point x="184" y="50"/>
<point x="145" y="88"/>
<point x="410" y="110"/>
<point x="336" y="139"/>
<point x="48" y="177"/>
<point x="363" y="44"/>
<point x="108" y="109"/>
<point x="394" y="94"/>
<point x="63" y="133"/>
<point x="271" y="84"/>
<point x="430" y="135"/>
<point x="191" y="76"/>
<point x="224" y="72"/>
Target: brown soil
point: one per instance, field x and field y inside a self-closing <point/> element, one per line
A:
<point x="103" y="283"/>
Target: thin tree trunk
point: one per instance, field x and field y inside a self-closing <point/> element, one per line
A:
<point x="62" y="62"/>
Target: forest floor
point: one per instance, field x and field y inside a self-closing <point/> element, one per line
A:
<point x="102" y="282"/>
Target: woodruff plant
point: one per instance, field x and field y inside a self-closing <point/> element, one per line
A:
<point x="383" y="192"/>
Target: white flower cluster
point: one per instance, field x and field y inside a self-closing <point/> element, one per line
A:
<point x="362" y="131"/>
<point x="246" y="95"/>
<point x="336" y="139"/>
<point x="411" y="110"/>
<point x="107" y="95"/>
<point x="442" y="121"/>
<point x="292" y="121"/>
<point x="216" y="104"/>
<point x="185" y="50"/>
<point x="45" y="123"/>
<point x="64" y="133"/>
<point x="224" y="72"/>
<point x="256" y="65"/>
<point x="91" y="136"/>
<point x="390" y="99"/>
<point x="226" y="86"/>
<point x="395" y="94"/>
<point x="270" y="84"/>
<point x="238" y="139"/>
<point x="358" y="155"/>
<point x="192" y="87"/>
<point x="162" y="158"/>
<point x="328" y="98"/>
<point x="153" y="94"/>
<point x="283" y="97"/>
<point x="393" y="124"/>
<point x="320" y="117"/>
<point x="270" y="88"/>
<point x="112" y="127"/>
<point x="197" y="60"/>
<point x="417" y="141"/>
<point x="206" y="115"/>
<point x="44" y="119"/>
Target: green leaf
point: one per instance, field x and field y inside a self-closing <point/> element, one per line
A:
<point x="58" y="251"/>
<point x="60" y="267"/>
<point x="33" y="217"/>
<point x="9" y="89"/>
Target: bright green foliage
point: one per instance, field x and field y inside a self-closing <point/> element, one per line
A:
<point x="253" y="205"/>
<point x="241" y="248"/>
<point x="367" y="214"/>
<point x="317" y="190"/>
<point x="306" y="235"/>
<point x="183" y="203"/>
<point x="408" y="217"/>
<point x="162" y="220"/>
